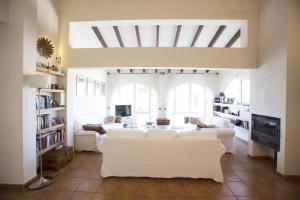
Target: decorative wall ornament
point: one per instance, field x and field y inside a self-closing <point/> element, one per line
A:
<point x="45" y="47"/>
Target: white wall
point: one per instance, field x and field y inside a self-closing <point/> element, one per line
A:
<point x="48" y="25"/>
<point x="17" y="141"/>
<point x="80" y="105"/>
<point x="4" y="11"/>
<point x="268" y="82"/>
<point x="292" y="142"/>
<point x="29" y="114"/>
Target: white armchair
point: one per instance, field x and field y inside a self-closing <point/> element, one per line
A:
<point x="90" y="140"/>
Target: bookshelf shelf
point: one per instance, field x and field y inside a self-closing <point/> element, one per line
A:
<point x="52" y="91"/>
<point x="51" y="147"/>
<point x="52" y="128"/>
<point x="49" y="110"/>
<point x="51" y="72"/>
<point x="228" y="116"/>
<point x="232" y="105"/>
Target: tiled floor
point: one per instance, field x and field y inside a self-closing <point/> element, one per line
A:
<point x="245" y="179"/>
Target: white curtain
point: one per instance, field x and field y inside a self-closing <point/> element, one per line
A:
<point x="112" y="87"/>
<point x="164" y="86"/>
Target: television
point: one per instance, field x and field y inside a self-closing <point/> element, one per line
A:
<point x="123" y="110"/>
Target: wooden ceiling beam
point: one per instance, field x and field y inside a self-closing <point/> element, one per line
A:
<point x="137" y="31"/>
<point x="157" y="35"/>
<point x="177" y="35"/>
<point x="217" y="35"/>
<point x="117" y="32"/>
<point x="234" y="38"/>
<point x="99" y="36"/>
<point x="200" y="27"/>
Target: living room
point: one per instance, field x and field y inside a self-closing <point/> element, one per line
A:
<point x="167" y="68"/>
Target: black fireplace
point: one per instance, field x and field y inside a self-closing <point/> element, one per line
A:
<point x="266" y="131"/>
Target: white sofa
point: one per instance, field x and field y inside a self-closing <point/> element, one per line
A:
<point x="161" y="153"/>
<point x="90" y="140"/>
<point x="223" y="128"/>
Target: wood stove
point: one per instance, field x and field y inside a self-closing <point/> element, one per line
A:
<point x="266" y="131"/>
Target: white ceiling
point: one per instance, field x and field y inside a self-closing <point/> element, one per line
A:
<point x="81" y="34"/>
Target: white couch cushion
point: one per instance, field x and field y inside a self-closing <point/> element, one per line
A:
<point x="198" y="134"/>
<point x="124" y="133"/>
<point x="161" y="133"/>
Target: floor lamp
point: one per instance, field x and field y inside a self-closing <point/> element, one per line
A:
<point x="40" y="81"/>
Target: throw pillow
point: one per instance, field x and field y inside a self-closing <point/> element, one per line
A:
<point x="203" y="125"/>
<point x="118" y="119"/>
<point x="186" y="120"/>
<point x="109" y="120"/>
<point x="94" y="127"/>
<point x="194" y="120"/>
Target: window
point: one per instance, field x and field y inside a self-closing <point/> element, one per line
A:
<point x="143" y="100"/>
<point x="190" y="99"/>
<point x="245" y="92"/>
<point x="240" y="90"/>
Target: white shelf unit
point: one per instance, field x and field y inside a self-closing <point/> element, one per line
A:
<point x="241" y="132"/>
<point x="52" y="111"/>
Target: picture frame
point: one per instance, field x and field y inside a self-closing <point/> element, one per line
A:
<point x="97" y="88"/>
<point x="80" y="85"/>
<point x="90" y="90"/>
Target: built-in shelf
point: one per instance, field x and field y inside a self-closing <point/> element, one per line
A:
<point x="52" y="128"/>
<point x="228" y="116"/>
<point x="47" y="71"/>
<point x="49" y="110"/>
<point x="51" y="147"/>
<point x="52" y="90"/>
<point x="232" y="105"/>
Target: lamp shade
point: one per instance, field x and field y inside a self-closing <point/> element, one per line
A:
<point x="39" y="81"/>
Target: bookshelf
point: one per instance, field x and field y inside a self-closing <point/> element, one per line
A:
<point x="51" y="115"/>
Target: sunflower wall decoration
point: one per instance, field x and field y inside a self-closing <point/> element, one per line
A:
<point x="45" y="47"/>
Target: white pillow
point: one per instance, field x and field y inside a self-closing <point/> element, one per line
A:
<point x="161" y="133"/>
<point x="220" y="122"/>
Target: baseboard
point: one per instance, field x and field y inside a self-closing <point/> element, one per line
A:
<point x="289" y="177"/>
<point x="18" y="186"/>
<point x="261" y="157"/>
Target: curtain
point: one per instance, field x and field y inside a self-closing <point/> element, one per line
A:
<point x="112" y="87"/>
<point x="163" y="88"/>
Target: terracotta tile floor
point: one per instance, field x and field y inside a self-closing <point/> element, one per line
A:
<point x="245" y="179"/>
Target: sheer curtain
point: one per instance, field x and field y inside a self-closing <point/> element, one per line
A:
<point x="169" y="95"/>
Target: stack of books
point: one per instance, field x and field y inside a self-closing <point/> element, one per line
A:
<point x="51" y="139"/>
<point x="43" y="121"/>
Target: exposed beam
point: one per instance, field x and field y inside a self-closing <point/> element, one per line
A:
<point x="157" y="35"/>
<point x="200" y="27"/>
<point x="236" y="36"/>
<point x="177" y="35"/>
<point x="217" y="35"/>
<point x="117" y="32"/>
<point x="137" y="31"/>
<point x="99" y="36"/>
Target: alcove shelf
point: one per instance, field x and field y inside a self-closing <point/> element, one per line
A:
<point x="51" y="72"/>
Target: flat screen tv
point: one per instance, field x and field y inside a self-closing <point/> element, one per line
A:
<point x="123" y="110"/>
